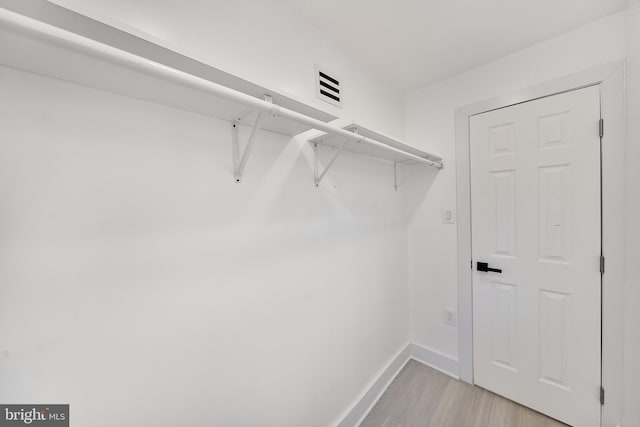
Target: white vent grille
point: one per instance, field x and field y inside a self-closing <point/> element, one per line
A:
<point x="328" y="87"/>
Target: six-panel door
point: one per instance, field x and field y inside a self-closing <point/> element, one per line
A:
<point x="535" y="185"/>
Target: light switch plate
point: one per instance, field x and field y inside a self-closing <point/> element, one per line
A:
<point x="448" y="216"/>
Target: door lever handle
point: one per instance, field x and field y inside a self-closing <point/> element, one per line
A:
<point x="483" y="266"/>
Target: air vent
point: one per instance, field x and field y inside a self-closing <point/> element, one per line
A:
<point x="328" y="87"/>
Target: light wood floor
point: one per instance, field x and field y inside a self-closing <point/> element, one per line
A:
<point x="422" y="396"/>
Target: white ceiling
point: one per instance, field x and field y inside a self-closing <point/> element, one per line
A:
<point x="412" y="43"/>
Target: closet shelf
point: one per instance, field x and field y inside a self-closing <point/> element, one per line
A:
<point x="48" y="39"/>
<point x="370" y="143"/>
<point x="385" y="147"/>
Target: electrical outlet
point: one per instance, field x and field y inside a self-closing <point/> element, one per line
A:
<point x="450" y="316"/>
<point x="448" y="215"/>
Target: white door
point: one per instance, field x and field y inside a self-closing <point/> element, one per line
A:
<point x="535" y="200"/>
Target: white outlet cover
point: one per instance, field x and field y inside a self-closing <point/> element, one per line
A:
<point x="450" y="316"/>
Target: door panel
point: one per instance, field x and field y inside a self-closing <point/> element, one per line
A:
<point x="535" y="197"/>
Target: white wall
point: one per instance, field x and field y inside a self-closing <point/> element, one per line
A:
<point x="136" y="275"/>
<point x="631" y="405"/>
<point x="266" y="42"/>
<point x="139" y="279"/>
<point x="429" y="123"/>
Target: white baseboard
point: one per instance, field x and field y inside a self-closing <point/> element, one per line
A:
<point x="370" y="397"/>
<point x="434" y="359"/>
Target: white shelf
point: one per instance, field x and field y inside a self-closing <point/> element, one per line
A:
<point x="47" y="39"/>
<point x="388" y="148"/>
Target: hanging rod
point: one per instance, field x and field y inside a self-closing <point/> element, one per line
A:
<point x="160" y="70"/>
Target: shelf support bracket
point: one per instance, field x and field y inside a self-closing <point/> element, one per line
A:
<point x="397" y="167"/>
<point x="319" y="177"/>
<point x="240" y="162"/>
<point x="395" y="175"/>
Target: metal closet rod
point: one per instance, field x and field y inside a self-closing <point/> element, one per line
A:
<point x="164" y="71"/>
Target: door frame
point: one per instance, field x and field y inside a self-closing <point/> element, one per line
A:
<point x="611" y="79"/>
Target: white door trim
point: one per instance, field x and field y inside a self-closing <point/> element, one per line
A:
<point x="610" y="77"/>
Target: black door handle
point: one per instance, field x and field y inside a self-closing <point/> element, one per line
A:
<point x="483" y="266"/>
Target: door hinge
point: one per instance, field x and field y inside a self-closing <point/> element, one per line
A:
<point x="601" y="264"/>
<point x="602" y="395"/>
<point x="601" y="128"/>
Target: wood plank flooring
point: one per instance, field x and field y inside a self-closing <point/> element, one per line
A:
<point x="424" y="397"/>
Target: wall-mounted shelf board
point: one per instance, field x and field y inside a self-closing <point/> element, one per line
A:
<point x="389" y="148"/>
<point x="47" y="39"/>
<point x="44" y="38"/>
<point x="361" y="140"/>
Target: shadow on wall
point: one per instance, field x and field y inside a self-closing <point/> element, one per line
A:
<point x="415" y="181"/>
<point x="282" y="206"/>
